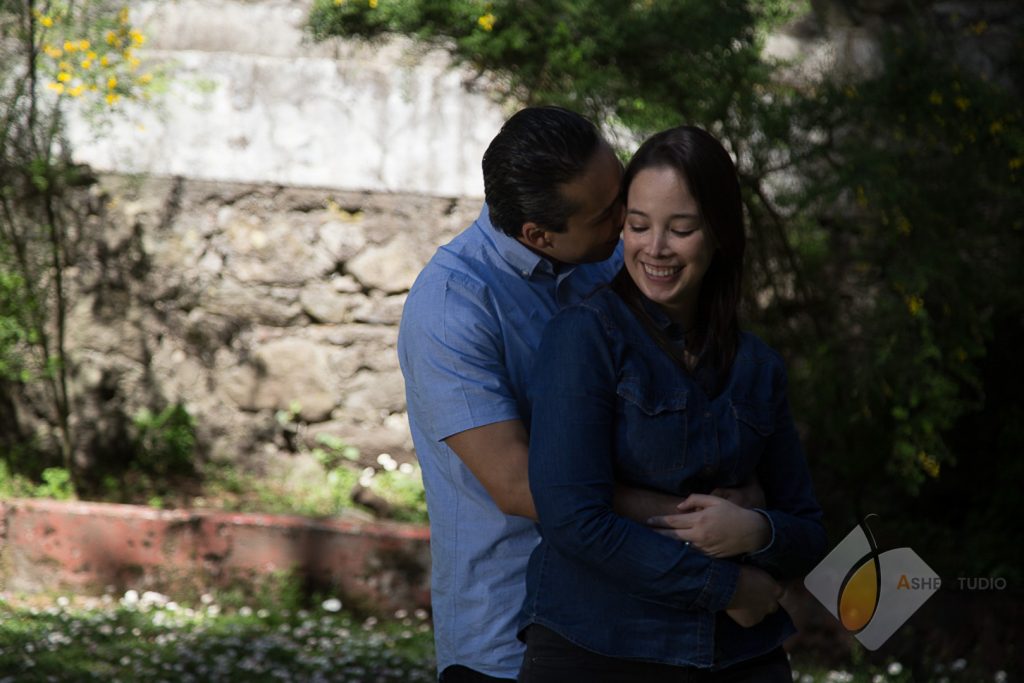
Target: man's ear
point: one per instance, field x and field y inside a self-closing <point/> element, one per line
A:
<point x="535" y="236"/>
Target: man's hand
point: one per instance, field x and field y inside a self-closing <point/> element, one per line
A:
<point x="750" y="495"/>
<point x="757" y="595"/>
<point x="715" y="526"/>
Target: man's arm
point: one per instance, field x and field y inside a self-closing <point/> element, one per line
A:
<point x="498" y="455"/>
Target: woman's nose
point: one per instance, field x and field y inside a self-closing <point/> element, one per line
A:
<point x="658" y="242"/>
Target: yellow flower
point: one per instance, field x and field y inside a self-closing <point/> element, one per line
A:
<point x="122" y="16"/>
<point x="133" y="62"/>
<point x="112" y="98"/>
<point x="111" y="38"/>
<point x="56" y="87"/>
<point x="996" y="128"/>
<point x="862" y="197"/>
<point x="105" y="60"/>
<point x="935" y="97"/>
<point x="903" y="225"/>
<point x="146" y="78"/>
<point x="112" y="82"/>
<point x="339" y="3"/>
<point x="486" y="22"/>
<point x="851" y="92"/>
<point x="46" y="21"/>
<point x="137" y="37"/>
<point x="84" y="45"/>
<point x="929" y="464"/>
<point x="914" y="304"/>
<point x="86" y="63"/>
<point x="53" y="52"/>
<point x="373" y="4"/>
<point x="63" y="77"/>
<point x="76" y="91"/>
<point x="91" y="54"/>
<point x="64" y="66"/>
<point x="979" y="28"/>
<point x="69" y="46"/>
<point x="962" y="103"/>
<point x="1016" y="163"/>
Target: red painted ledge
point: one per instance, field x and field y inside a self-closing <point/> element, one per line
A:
<point x="48" y="545"/>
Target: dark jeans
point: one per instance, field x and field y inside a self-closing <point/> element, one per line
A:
<point x="551" y="658"/>
<point x="463" y="674"/>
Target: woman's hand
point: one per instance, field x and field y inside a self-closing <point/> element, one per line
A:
<point x="715" y="526"/>
<point x="757" y="595"/>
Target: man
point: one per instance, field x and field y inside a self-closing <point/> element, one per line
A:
<point x="546" y="237"/>
<point x="470" y="327"/>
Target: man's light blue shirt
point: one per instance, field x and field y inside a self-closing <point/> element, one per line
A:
<point x="471" y="325"/>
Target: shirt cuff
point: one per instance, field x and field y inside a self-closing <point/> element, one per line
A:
<point x="771" y="539"/>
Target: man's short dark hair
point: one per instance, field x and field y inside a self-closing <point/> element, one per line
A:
<point x="538" y="150"/>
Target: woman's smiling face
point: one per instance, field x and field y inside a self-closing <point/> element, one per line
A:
<point x="667" y="248"/>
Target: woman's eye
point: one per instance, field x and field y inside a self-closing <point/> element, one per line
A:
<point x="683" y="233"/>
<point x="637" y="228"/>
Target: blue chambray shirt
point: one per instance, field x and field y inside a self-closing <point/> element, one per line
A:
<point x="469" y="331"/>
<point x="610" y="405"/>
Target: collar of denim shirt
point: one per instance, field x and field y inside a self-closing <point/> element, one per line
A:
<point x="516" y="254"/>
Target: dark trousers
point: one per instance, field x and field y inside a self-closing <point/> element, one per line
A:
<point x="463" y="674"/>
<point x="551" y="658"/>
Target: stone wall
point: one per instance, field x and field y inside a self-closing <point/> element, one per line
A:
<point x="244" y="300"/>
<point x="249" y="97"/>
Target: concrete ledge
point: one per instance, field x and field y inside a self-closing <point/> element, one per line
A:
<point x="48" y="545"/>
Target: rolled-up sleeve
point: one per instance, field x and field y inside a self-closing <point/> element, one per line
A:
<point x="572" y="439"/>
<point x="798" y="540"/>
<point x="452" y="357"/>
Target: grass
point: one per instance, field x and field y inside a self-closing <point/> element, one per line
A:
<point x="150" y="638"/>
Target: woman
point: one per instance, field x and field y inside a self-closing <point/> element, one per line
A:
<point x="650" y="381"/>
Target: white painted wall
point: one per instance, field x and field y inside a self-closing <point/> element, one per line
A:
<point x="252" y="99"/>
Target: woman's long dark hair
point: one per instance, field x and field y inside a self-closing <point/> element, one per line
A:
<point x="711" y="176"/>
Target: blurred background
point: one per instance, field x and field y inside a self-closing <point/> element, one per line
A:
<point x="211" y="212"/>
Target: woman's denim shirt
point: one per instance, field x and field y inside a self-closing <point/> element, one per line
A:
<point x="609" y="405"/>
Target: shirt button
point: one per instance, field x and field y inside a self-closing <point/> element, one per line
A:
<point x="707" y="470"/>
<point x="707" y="413"/>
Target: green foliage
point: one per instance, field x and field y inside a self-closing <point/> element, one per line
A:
<point x="334" y="451"/>
<point x="56" y="484"/>
<point x="404" y="490"/>
<point x="165" y="442"/>
<point x="13" y="334"/>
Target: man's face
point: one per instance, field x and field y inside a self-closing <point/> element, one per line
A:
<point x="592" y="232"/>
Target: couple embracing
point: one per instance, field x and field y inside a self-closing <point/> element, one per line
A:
<point x="615" y="484"/>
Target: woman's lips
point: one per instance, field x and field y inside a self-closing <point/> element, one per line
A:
<point x="662" y="273"/>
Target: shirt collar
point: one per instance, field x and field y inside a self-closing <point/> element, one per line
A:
<point x="673" y="331"/>
<point x="516" y="254"/>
